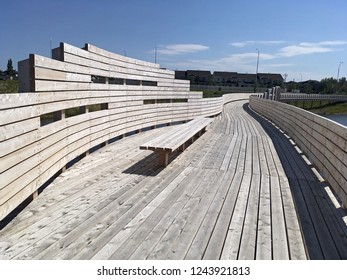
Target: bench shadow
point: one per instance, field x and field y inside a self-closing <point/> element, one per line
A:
<point x="149" y="165"/>
<point x="309" y="232"/>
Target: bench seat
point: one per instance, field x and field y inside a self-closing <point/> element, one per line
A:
<point x="176" y="138"/>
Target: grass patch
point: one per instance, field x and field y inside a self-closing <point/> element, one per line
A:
<point x="333" y="109"/>
<point x="212" y="93"/>
<point x="9" y="86"/>
<point x="322" y="107"/>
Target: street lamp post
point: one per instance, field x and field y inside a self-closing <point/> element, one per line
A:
<point x="338" y="71"/>
<point x="256" y="73"/>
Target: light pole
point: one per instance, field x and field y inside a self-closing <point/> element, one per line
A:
<point x="338" y="71"/>
<point x="256" y="73"/>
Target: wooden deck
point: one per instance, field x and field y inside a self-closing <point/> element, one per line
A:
<point x="235" y="193"/>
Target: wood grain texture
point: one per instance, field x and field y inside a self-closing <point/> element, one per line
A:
<point x="32" y="152"/>
<point x="264" y="205"/>
<point x="240" y="192"/>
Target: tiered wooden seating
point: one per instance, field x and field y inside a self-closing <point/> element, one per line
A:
<point x="80" y="99"/>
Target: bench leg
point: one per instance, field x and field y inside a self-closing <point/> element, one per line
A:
<point x="163" y="158"/>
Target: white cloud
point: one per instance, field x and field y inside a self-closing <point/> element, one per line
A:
<point x="302" y="49"/>
<point x="248" y="57"/>
<point x="181" y="49"/>
<point x="242" y="62"/>
<point x="306" y="48"/>
<point x="280" y="58"/>
<point x="277" y="65"/>
<point x="296" y="50"/>
<point x="246" y="43"/>
<point x="239" y="44"/>
<point x="333" y="43"/>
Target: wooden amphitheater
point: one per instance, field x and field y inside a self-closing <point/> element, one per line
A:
<point x="109" y="157"/>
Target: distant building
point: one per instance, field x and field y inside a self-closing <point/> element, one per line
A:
<point x="270" y="80"/>
<point x="199" y="77"/>
<point x="225" y="78"/>
<point x="233" y="79"/>
<point x="182" y="75"/>
<point x="246" y="80"/>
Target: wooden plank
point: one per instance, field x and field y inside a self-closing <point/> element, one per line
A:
<point x="52" y="75"/>
<point x="221" y="227"/>
<point x="181" y="244"/>
<point x="204" y="231"/>
<point x="19" y="197"/>
<point x="108" y="63"/>
<point x="264" y="238"/>
<point x="163" y="248"/>
<point x="295" y="238"/>
<point x="15" y="129"/>
<point x="172" y="198"/>
<point x="78" y="198"/>
<point x="123" y="154"/>
<point x="279" y="236"/>
<point x="233" y="238"/>
<point x="176" y="137"/>
<point x="125" y="210"/>
<point x="116" y="57"/>
<point x="229" y="153"/>
<point x="113" y="248"/>
<point x="104" y="237"/>
<point x="247" y="249"/>
<point x="14" y="100"/>
<point x="160" y="227"/>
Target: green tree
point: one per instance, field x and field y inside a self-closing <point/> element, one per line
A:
<point x="10" y="70"/>
<point x="328" y="85"/>
<point x="343" y="85"/>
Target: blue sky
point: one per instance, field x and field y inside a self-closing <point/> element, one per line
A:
<point x="304" y="39"/>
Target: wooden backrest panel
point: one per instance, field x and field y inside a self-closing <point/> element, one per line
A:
<point x="323" y="141"/>
<point x="76" y="101"/>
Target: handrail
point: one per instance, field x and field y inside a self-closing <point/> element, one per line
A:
<point x="275" y="94"/>
<point x="285" y="97"/>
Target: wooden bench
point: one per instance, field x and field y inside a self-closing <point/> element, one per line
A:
<point x="176" y="138"/>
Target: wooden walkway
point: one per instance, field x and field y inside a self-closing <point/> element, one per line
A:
<point x="235" y="193"/>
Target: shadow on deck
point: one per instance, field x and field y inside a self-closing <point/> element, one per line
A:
<point x="321" y="220"/>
